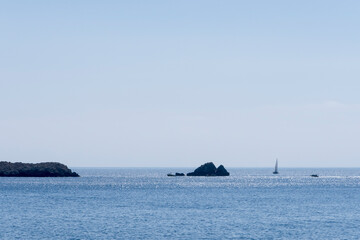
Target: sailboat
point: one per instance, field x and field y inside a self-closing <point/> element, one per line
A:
<point x="276" y="168"/>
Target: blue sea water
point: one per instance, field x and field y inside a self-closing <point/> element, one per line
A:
<point x="143" y="203"/>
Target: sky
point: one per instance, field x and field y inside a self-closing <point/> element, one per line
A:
<point x="180" y="83"/>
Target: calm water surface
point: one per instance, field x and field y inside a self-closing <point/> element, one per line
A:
<point x="144" y="203"/>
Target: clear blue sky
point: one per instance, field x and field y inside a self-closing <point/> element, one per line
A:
<point x="180" y="83"/>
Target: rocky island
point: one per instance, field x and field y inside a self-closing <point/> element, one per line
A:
<point x="176" y="174"/>
<point x="45" y="169"/>
<point x="209" y="169"/>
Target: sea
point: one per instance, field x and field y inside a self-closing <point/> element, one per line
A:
<point x="143" y="203"/>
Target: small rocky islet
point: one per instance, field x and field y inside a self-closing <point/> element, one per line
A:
<point x="206" y="170"/>
<point x="45" y="169"/>
<point x="176" y="174"/>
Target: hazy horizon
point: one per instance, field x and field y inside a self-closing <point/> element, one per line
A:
<point x="180" y="83"/>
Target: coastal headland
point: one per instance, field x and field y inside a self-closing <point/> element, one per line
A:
<point x="45" y="169"/>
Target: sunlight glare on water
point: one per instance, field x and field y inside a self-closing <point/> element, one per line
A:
<point x="143" y="203"/>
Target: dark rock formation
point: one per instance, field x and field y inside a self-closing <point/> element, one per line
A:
<point x="221" y="171"/>
<point x="209" y="169"/>
<point x="176" y="174"/>
<point x="46" y="169"/>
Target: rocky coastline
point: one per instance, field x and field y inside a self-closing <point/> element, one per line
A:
<point x="45" y="169"/>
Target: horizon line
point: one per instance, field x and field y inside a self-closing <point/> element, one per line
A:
<point x="193" y="167"/>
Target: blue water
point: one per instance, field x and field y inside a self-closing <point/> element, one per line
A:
<point x="146" y="204"/>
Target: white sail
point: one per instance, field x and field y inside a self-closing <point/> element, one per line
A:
<point x="276" y="167"/>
